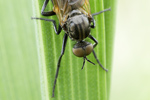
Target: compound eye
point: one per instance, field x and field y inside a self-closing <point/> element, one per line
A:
<point x="83" y="51"/>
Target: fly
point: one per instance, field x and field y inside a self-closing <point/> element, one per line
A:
<point x="76" y="20"/>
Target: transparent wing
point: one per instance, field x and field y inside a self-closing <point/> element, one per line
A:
<point x="73" y="1"/>
<point x="82" y="5"/>
<point x="63" y="7"/>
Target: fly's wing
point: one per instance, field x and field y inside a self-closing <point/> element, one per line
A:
<point x="60" y="7"/>
<point x="63" y="7"/>
<point x="82" y="5"/>
<point x="73" y="2"/>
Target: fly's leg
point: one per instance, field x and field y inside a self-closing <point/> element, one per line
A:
<point x="93" y="21"/>
<point x="101" y="12"/>
<point x="96" y="42"/>
<point x="99" y="61"/>
<point x="84" y="61"/>
<point x="93" y="25"/>
<point x="59" y="61"/>
<point x="57" y="31"/>
<point x="48" y="13"/>
<point x="92" y="38"/>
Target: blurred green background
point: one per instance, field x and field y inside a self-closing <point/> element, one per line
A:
<point x="19" y="75"/>
<point x="131" y="63"/>
<point x="130" y="76"/>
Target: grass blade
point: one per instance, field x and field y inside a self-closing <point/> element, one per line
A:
<point x="109" y="27"/>
<point x="72" y="83"/>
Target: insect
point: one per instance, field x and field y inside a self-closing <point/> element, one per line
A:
<point x="76" y="20"/>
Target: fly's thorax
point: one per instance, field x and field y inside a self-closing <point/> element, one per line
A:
<point x="82" y="49"/>
<point x="78" y="26"/>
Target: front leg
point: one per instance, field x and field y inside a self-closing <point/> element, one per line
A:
<point x="59" y="61"/>
<point x="96" y="42"/>
<point x="93" y="21"/>
<point x="48" y="13"/>
<point x="92" y="38"/>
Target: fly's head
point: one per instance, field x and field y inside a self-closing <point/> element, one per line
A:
<point x="82" y="49"/>
<point x="78" y="25"/>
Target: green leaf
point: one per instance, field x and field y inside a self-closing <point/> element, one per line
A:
<point x="109" y="31"/>
<point x="19" y="76"/>
<point x="91" y="83"/>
